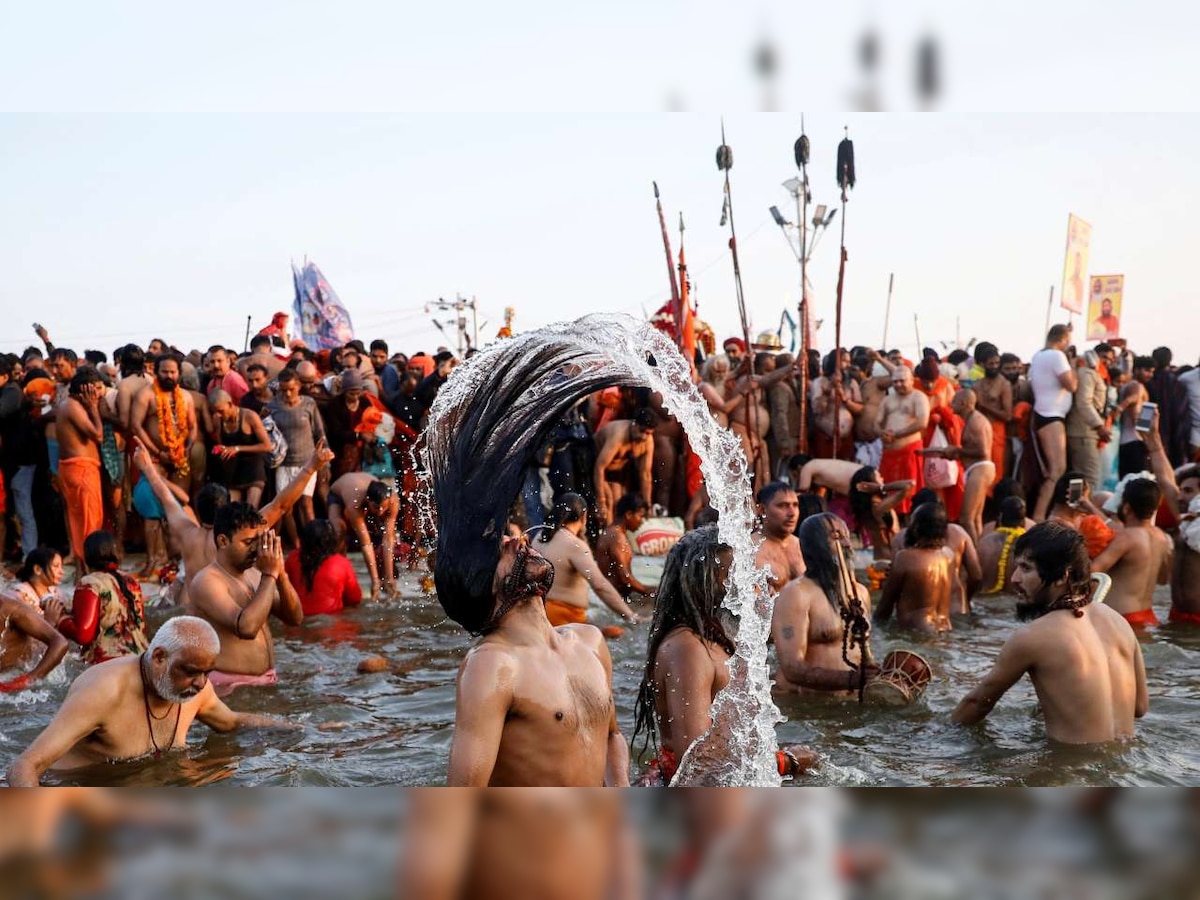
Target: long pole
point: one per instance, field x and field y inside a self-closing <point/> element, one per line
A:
<point x="246" y="345"/>
<point x="887" y="316"/>
<point x="802" y="212"/>
<point x="676" y="306"/>
<point x="1049" y="308"/>
<point x="917" y="329"/>
<point x="837" y="327"/>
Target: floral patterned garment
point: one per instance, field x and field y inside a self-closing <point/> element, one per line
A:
<point x="121" y="630"/>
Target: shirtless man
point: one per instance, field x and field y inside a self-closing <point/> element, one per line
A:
<point x="575" y="568"/>
<point x="361" y="503"/>
<point x="975" y="455"/>
<point x="874" y="390"/>
<point x="1139" y="556"/>
<point x="919" y="583"/>
<point x="136" y="707"/>
<point x="194" y="539"/>
<point x="80" y="432"/>
<point x="238" y="592"/>
<point x="831" y="474"/>
<point x="901" y="421"/>
<point x="1084" y="661"/>
<point x="534" y="704"/>
<point x="145" y="424"/>
<point x="133" y="382"/>
<point x="687" y="660"/>
<point x="1180" y="490"/>
<point x="994" y="398"/>
<point x="995" y="548"/>
<point x="807" y="624"/>
<point x="621" y="445"/>
<point x="467" y="845"/>
<point x="21" y="629"/>
<point x="260" y="355"/>
<point x="966" y="565"/>
<point x="614" y="555"/>
<point x="778" y="548"/>
<point x="1133" y="456"/>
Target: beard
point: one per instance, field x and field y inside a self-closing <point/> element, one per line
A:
<point x="1014" y="377"/>
<point x="1033" y="607"/>
<point x="167" y="384"/>
<point x="990" y="375"/>
<point x="166" y="690"/>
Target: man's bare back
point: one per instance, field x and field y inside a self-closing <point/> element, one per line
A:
<point x="918" y="588"/>
<point x="614" y="556"/>
<point x="686" y="662"/>
<point x="574" y="569"/>
<point x="965" y="566"/>
<point x="1088" y="673"/>
<point x="1138" y="559"/>
<point x="832" y="474"/>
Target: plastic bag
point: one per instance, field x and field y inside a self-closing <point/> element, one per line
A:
<point x="940" y="473"/>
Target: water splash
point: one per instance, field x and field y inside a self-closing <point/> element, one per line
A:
<point x="739" y="749"/>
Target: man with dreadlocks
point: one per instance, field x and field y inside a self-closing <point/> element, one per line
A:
<point x="687" y="657"/>
<point x="814" y="620"/>
<point x="1083" y="658"/>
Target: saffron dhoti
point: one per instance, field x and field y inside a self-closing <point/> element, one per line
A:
<point x="902" y="464"/>
<point x="79" y="478"/>
<point x="560" y="613"/>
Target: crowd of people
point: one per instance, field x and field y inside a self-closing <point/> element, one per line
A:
<point x="246" y="479"/>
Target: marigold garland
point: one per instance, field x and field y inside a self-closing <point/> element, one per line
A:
<point x="1002" y="566"/>
<point x="173" y="428"/>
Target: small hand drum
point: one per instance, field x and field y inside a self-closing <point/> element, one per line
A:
<point x="902" y="679"/>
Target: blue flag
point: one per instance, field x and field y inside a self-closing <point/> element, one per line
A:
<point x="321" y="320"/>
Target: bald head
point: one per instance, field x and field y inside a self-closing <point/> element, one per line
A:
<point x="218" y="399"/>
<point x="306" y="371"/>
<point x="902" y="379"/>
<point x="963" y="403"/>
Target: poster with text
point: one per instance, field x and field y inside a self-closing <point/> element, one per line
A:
<point x="1104" y="307"/>
<point x="1075" y="279"/>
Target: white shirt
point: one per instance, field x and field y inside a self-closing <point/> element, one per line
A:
<point x="1191" y="381"/>
<point x="1050" y="398"/>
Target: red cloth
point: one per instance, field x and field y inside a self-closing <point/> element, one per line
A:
<point x="1142" y="618"/>
<point x="1179" y="617"/>
<point x="903" y="464"/>
<point x="334" y="586"/>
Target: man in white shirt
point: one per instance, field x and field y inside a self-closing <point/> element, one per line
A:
<point x="1053" y="380"/>
<point x="1191" y="383"/>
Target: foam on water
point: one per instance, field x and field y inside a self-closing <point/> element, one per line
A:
<point x="740" y="747"/>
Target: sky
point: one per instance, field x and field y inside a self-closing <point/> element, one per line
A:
<point x="131" y="226"/>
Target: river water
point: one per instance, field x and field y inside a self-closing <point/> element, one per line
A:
<point x="395" y="728"/>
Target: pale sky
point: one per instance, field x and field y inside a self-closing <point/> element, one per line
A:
<point x="128" y="227"/>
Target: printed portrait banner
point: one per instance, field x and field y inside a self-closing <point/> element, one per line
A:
<point x="321" y="321"/>
<point x="1104" y="307"/>
<point x="1075" y="266"/>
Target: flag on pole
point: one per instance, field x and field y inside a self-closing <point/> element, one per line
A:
<point x="322" y="322"/>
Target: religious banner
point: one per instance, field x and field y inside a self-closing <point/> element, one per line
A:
<point x="1104" y="307"/>
<point x="1075" y="280"/>
<point x="321" y="320"/>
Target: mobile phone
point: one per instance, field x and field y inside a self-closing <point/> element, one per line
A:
<point x="1074" y="492"/>
<point x="1146" y="417"/>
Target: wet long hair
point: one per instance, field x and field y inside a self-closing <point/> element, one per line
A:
<point x="820" y="558"/>
<point x="927" y="527"/>
<point x="861" y="503"/>
<point x="689" y="596"/>
<point x="485" y="425"/>
<point x="1057" y="550"/>
<point x="318" y="542"/>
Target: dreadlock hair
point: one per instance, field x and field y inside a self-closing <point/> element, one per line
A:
<point x="568" y="508"/>
<point x="689" y="595"/>
<point x="485" y="424"/>
<point x="820" y="557"/>
<point x="927" y="527"/>
<point x="318" y="542"/>
<point x="1057" y="551"/>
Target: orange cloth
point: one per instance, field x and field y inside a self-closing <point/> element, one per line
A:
<point x="79" y="478"/>
<point x="1143" y="618"/>
<point x="560" y="613"/>
<point x="1096" y="535"/>
<point x="1179" y="617"/>
<point x="695" y="478"/>
<point x="903" y="464"/>
<point x="1022" y="414"/>
<point x="999" y="449"/>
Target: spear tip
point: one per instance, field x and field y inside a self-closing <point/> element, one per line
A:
<point x="655" y="183"/>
